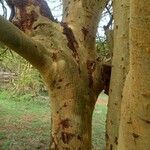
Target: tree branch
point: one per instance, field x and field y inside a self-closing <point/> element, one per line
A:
<point x="19" y="42"/>
<point x="25" y="12"/>
<point x="84" y="16"/>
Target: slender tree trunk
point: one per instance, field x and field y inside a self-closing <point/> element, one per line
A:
<point x="134" y="131"/>
<point x="119" y="71"/>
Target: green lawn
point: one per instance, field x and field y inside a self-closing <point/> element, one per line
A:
<point x="25" y="123"/>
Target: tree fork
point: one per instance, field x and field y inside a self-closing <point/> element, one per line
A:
<point x="67" y="61"/>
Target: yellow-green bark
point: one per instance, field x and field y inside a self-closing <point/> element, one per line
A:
<point x="134" y="131"/>
<point x="119" y="71"/>
<point x="66" y="58"/>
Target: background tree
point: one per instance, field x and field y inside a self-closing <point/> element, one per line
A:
<point x="65" y="55"/>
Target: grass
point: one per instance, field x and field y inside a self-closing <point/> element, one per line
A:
<point x="25" y="123"/>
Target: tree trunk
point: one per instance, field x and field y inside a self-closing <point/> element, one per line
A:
<point x="134" y="131"/>
<point x="64" y="53"/>
<point x="71" y="120"/>
<point x="73" y="96"/>
<point x="119" y="71"/>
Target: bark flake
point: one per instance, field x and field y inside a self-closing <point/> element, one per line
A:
<point x="130" y="121"/>
<point x="116" y="140"/>
<point x="67" y="84"/>
<point x="54" y="56"/>
<point x="79" y="138"/>
<point x="106" y="135"/>
<point x="54" y="144"/>
<point x="58" y="87"/>
<point x="85" y="32"/>
<point x="91" y="66"/>
<point x="67" y="137"/>
<point x="135" y="135"/>
<point x="60" y="80"/>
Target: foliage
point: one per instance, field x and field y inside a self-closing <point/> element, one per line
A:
<point x="101" y="45"/>
<point x="27" y="79"/>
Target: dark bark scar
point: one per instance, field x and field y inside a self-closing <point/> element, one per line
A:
<point x="91" y="66"/>
<point x="116" y="140"/>
<point x="85" y="32"/>
<point x="79" y="138"/>
<point x="65" y="123"/>
<point x="135" y="135"/>
<point x="26" y="19"/>
<point x="72" y="43"/>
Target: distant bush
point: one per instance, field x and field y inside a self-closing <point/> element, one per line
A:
<point x="26" y="80"/>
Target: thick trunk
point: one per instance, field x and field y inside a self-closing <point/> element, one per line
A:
<point x="135" y="111"/>
<point x="72" y="107"/>
<point x="119" y="71"/>
<point x="65" y="55"/>
<point x="73" y="96"/>
<point x="71" y="122"/>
